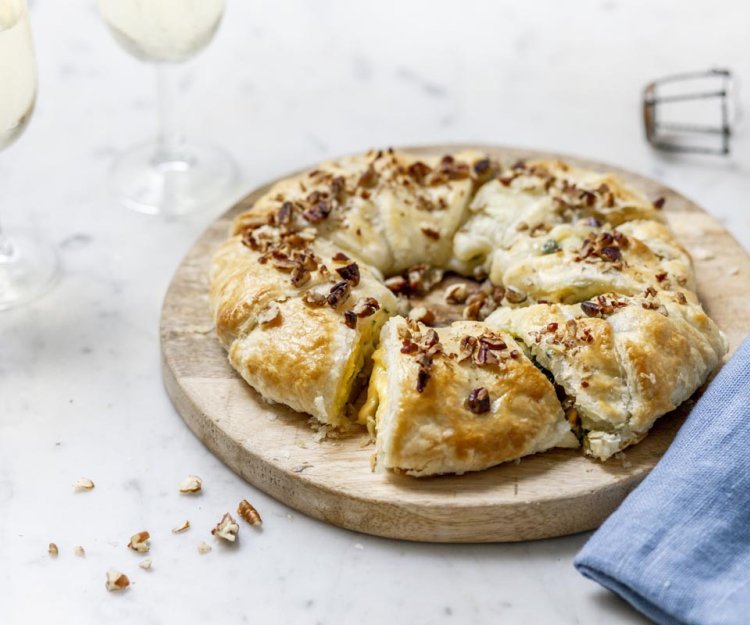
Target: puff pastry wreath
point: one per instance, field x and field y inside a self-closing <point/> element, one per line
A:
<point x="583" y="330"/>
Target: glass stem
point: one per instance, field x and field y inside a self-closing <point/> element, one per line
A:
<point x="6" y="246"/>
<point x="170" y="139"/>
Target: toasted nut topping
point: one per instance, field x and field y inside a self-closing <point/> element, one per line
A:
<point x="181" y="528"/>
<point x="350" y="319"/>
<point x="397" y="284"/>
<point x="191" y="484"/>
<point x="116" y="580"/>
<point x="423" y="314"/>
<point x="146" y="564"/>
<point x="423" y="376"/>
<point x="82" y="484"/>
<point x="314" y="298"/>
<point x="270" y="315"/>
<point x="513" y="296"/>
<point x="366" y="307"/>
<point x="249" y="513"/>
<point x="140" y="542"/>
<point x="478" y="401"/>
<point x="659" y="203"/>
<point x="340" y="257"/>
<point x="680" y="297"/>
<point x="339" y="293"/>
<point x="350" y="273"/>
<point x="431" y="233"/>
<point x="369" y="178"/>
<point x="204" y="548"/>
<point x="53" y="550"/>
<point x="591" y="309"/>
<point x="226" y="529"/>
<point x="456" y="293"/>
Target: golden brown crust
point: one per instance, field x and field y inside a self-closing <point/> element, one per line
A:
<point x="435" y="430"/>
<point x="603" y="299"/>
<point x="635" y="360"/>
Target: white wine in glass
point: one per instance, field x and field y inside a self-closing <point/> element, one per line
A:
<point x="28" y="267"/>
<point x="168" y="176"/>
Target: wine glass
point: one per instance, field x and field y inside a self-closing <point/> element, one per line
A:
<point x="168" y="176"/>
<point x="28" y="266"/>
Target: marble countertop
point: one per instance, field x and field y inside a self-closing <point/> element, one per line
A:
<point x="286" y="84"/>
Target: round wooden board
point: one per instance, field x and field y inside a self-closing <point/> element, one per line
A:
<point x="275" y="449"/>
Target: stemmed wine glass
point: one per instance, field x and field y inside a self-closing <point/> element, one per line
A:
<point x="28" y="266"/>
<point x="168" y="176"/>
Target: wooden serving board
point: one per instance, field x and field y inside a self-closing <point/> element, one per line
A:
<point x="275" y="449"/>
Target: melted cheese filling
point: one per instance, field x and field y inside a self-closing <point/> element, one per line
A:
<point x="368" y="414"/>
<point x="356" y="362"/>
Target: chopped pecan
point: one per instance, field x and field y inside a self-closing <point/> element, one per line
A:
<point x="369" y="178"/>
<point x="423" y="314"/>
<point x="366" y="307"/>
<point x="339" y="293"/>
<point x="350" y="273"/>
<point x="478" y="401"/>
<point x="227" y="528"/>
<point x="300" y="275"/>
<point x="398" y="284"/>
<point x="466" y="347"/>
<point x="350" y="319"/>
<point x="284" y="216"/>
<point x="513" y="296"/>
<point x="456" y="293"/>
<point x="318" y="212"/>
<point x="591" y="309"/>
<point x="423" y="376"/>
<point x="248" y="512"/>
<point x="419" y="171"/>
<point x="314" y="298"/>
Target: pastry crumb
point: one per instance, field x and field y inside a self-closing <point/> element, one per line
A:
<point x="181" y="528"/>
<point x="146" y="564"/>
<point x="204" y="548"/>
<point x="191" y="484"/>
<point x="359" y="546"/>
<point x="79" y="551"/>
<point x="53" y="550"/>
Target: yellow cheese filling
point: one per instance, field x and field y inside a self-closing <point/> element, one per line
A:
<point x="377" y="389"/>
<point x="361" y="351"/>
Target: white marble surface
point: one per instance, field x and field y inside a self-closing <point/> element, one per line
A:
<point x="286" y="84"/>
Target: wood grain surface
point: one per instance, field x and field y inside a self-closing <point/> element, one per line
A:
<point x="275" y="449"/>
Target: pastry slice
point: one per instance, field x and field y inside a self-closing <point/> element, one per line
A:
<point x="528" y="199"/>
<point x="422" y="201"/>
<point x="574" y="262"/>
<point x="390" y="209"/>
<point x="299" y="325"/>
<point x="456" y="399"/>
<point x="332" y="200"/>
<point x="621" y="362"/>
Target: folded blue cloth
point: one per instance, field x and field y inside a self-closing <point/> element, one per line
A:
<point x="678" y="548"/>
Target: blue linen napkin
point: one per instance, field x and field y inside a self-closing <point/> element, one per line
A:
<point x="678" y="548"/>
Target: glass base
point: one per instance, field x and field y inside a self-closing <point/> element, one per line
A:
<point x="176" y="187"/>
<point x="29" y="268"/>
